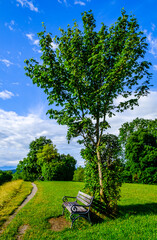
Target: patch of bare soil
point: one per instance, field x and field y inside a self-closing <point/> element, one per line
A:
<point x="21" y="231"/>
<point x="59" y="223"/>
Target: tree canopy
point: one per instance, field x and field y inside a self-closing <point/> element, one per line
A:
<point x="86" y="74"/>
<point x="44" y="162"/>
<point x="139" y="140"/>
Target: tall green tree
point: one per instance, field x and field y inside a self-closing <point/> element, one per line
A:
<point x="44" y="162"/>
<point x="139" y="141"/>
<point x="128" y="128"/>
<point x="55" y="166"/>
<point x="87" y="72"/>
<point x="28" y="168"/>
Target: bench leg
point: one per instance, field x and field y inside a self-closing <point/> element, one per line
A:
<point x="89" y="219"/>
<point x="74" y="218"/>
<point x="63" y="210"/>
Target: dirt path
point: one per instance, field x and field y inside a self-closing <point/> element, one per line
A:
<point x="29" y="197"/>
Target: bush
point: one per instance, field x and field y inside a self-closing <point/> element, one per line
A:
<point x="5" y="176"/>
<point x="79" y="174"/>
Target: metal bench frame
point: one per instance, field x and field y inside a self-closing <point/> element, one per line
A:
<point x="75" y="208"/>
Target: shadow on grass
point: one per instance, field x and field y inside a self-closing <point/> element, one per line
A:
<point x="137" y="209"/>
<point x="100" y="214"/>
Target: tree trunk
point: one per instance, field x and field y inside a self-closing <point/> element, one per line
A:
<point x="100" y="176"/>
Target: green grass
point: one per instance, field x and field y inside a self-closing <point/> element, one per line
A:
<point x="12" y="195"/>
<point x="137" y="217"/>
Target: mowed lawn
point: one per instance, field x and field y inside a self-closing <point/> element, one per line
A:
<point x="137" y="217"/>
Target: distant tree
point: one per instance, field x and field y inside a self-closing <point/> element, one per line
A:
<point x="139" y="142"/>
<point x="5" y="176"/>
<point x="139" y="123"/>
<point x="28" y="169"/>
<point x="55" y="166"/>
<point x="47" y="154"/>
<point x="86" y="74"/>
<point x="69" y="166"/>
<point x="44" y="162"/>
<point x="141" y="155"/>
<point x="79" y="174"/>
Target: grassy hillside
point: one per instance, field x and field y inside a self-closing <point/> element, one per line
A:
<point x="11" y="196"/>
<point x="137" y="215"/>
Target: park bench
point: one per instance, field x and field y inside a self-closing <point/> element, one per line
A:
<point x="79" y="207"/>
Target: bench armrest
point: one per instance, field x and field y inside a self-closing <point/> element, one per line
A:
<point x="65" y="198"/>
<point x="74" y="207"/>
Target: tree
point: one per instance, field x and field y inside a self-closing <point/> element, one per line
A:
<point x="111" y="169"/>
<point x="86" y="74"/>
<point x="79" y="174"/>
<point x="47" y="154"/>
<point x="139" y="123"/>
<point x="139" y="139"/>
<point x="44" y="162"/>
<point x="55" y="166"/>
<point x="28" y="169"/>
<point x="69" y="167"/>
<point x="5" y="176"/>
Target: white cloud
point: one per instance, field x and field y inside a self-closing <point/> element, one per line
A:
<point x="36" y="50"/>
<point x="36" y="42"/>
<point x="146" y="109"/>
<point x="80" y="3"/>
<point x="155" y="67"/>
<point x="10" y="25"/>
<point x="76" y="2"/>
<point x="153" y="43"/>
<point x="15" y="83"/>
<point x="30" y="36"/>
<point x="153" y="26"/>
<point x="61" y="1"/>
<point x="54" y="45"/>
<point x="16" y="133"/>
<point x="6" y="94"/>
<point x="29" y="4"/>
<point x="6" y="62"/>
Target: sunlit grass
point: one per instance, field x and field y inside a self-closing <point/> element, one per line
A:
<point x="137" y="217"/>
<point x="11" y="196"/>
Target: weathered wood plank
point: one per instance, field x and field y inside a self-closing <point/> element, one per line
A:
<point x="86" y="195"/>
<point x="88" y="201"/>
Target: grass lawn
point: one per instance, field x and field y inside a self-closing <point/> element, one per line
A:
<point x="137" y="217"/>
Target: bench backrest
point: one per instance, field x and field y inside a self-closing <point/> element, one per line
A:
<point x="84" y="198"/>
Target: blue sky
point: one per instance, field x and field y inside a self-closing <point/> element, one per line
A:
<point x="23" y="106"/>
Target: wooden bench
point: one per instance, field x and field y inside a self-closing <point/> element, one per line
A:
<point x="75" y="208"/>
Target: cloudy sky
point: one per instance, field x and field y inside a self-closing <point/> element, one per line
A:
<point x="23" y="106"/>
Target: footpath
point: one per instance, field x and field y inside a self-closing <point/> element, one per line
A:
<point x="27" y="199"/>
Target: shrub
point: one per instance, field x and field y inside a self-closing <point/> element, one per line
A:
<point x="5" y="176"/>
